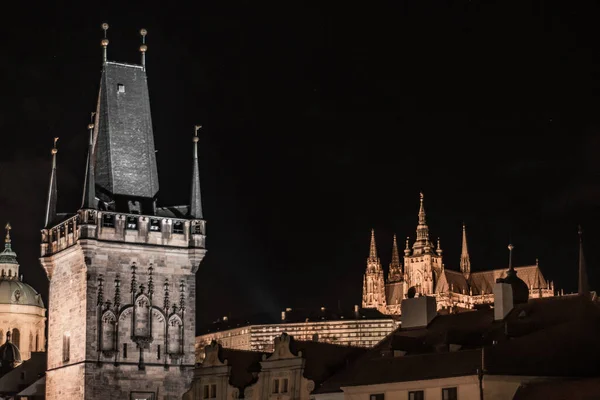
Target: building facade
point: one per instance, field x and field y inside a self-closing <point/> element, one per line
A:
<point x="22" y="312"/>
<point x="121" y="268"/>
<point x="424" y="272"/>
<point x="362" y="328"/>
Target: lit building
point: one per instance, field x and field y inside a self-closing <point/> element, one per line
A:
<point x="360" y="328"/>
<point x="424" y="272"/>
<point x="22" y="311"/>
<point x="122" y="269"/>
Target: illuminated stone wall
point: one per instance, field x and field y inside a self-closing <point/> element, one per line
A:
<point x="30" y="323"/>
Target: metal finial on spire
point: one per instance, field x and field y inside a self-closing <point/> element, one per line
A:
<point x="439" y="247"/>
<point x="7" y="239"/>
<point x="195" y="195"/>
<point x="52" y="191"/>
<point x="510" y="249"/>
<point x="143" y="47"/>
<point x="104" y="42"/>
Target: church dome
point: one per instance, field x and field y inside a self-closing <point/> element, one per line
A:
<point x="9" y="353"/>
<point x="14" y="291"/>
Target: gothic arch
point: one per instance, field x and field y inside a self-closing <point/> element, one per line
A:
<point x="175" y="335"/>
<point x="142" y="316"/>
<point x="16" y="338"/>
<point x="108" y="332"/>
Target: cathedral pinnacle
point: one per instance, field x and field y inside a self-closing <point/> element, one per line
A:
<point x="373" y="248"/>
<point x="89" y="187"/>
<point x="465" y="260"/>
<point x="7" y="240"/>
<point x="422" y="243"/>
<point x="583" y="286"/>
<point x="195" y="198"/>
<point x="395" y="272"/>
<point x="52" y="192"/>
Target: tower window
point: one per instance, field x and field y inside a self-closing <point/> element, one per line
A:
<point x="155" y="225"/>
<point x="121" y="88"/>
<point x="158" y="352"/>
<point x="108" y="221"/>
<point x="178" y="227"/>
<point x="132" y="223"/>
<point x="124" y="350"/>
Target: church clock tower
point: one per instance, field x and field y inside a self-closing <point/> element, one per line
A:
<point x="121" y="268"/>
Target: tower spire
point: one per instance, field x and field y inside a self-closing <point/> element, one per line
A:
<point x="195" y="199"/>
<point x="52" y="192"/>
<point x="373" y="249"/>
<point x="422" y="244"/>
<point x="143" y="47"/>
<point x="511" y="270"/>
<point x="465" y="260"/>
<point x="395" y="272"/>
<point x="583" y="287"/>
<point x="104" y="43"/>
<point x="89" y="187"/>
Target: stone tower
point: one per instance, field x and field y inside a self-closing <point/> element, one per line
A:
<point x="423" y="264"/>
<point x="373" y="282"/>
<point x="121" y="268"/>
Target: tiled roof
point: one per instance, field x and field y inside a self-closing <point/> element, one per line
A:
<point x="563" y="389"/>
<point x="485" y="280"/>
<point x="452" y="280"/>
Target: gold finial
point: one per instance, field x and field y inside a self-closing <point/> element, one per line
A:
<point x="143" y="32"/>
<point x="510" y="247"/>
<point x="8" y="228"/>
<point x="196" y="129"/>
<point x="105" y="28"/>
<point x="421" y="195"/>
<point x="54" y="149"/>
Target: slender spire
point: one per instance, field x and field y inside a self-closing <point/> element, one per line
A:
<point x="89" y="188"/>
<point x="465" y="260"/>
<point x="373" y="249"/>
<point x="407" y="248"/>
<point x="52" y="192"/>
<point x="143" y="47"/>
<point x="422" y="244"/>
<point x="104" y="43"/>
<point x="583" y="287"/>
<point x="195" y="198"/>
<point x="438" y="250"/>
<point x="7" y="241"/>
<point x="395" y="271"/>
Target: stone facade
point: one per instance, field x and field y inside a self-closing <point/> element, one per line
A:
<point x="425" y="274"/>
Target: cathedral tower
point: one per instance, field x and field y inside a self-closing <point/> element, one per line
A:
<point x="422" y="264"/>
<point x="373" y="282"/>
<point x="121" y="268"/>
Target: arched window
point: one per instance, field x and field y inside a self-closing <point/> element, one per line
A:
<point x="16" y="338"/>
<point x="31" y="341"/>
<point x="37" y="342"/>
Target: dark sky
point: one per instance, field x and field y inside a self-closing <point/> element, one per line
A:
<point x="320" y="123"/>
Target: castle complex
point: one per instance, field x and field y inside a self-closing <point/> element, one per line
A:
<point x="121" y="268"/>
<point x="425" y="273"/>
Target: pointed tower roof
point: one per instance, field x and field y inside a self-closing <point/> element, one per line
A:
<point x="195" y="198"/>
<point x="52" y="191"/>
<point x="583" y="286"/>
<point x="395" y="256"/>
<point x="422" y="243"/>
<point x="125" y="159"/>
<point x="373" y="248"/>
<point x="89" y="187"/>
<point x="465" y="260"/>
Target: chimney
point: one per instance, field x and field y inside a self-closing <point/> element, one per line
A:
<point x="503" y="300"/>
<point x="417" y="312"/>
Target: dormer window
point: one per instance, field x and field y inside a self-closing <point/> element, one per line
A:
<point x="121" y="88"/>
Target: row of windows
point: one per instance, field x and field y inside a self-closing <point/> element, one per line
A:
<point x="108" y="221"/>
<point x="447" y="394"/>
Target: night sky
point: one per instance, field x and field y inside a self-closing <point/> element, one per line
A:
<point x="320" y="123"/>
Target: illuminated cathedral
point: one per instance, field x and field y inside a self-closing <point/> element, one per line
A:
<point x="425" y="274"/>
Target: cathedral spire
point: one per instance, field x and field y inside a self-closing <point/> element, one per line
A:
<point x="52" y="191"/>
<point x="373" y="249"/>
<point x="195" y="199"/>
<point x="395" y="272"/>
<point x="465" y="260"/>
<point x="422" y="244"/>
<point x="89" y="187"/>
<point x="583" y="286"/>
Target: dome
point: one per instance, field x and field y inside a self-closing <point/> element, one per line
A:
<point x="520" y="290"/>
<point x="8" y="256"/>
<point x="9" y="353"/>
<point x="14" y="291"/>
